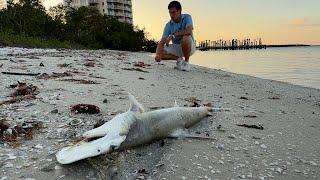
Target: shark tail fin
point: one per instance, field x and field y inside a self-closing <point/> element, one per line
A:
<point x="135" y="105"/>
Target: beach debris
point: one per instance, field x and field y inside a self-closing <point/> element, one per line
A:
<point x="275" y="97"/>
<point x="63" y="65"/>
<point x="99" y="123"/>
<point x="250" y="116"/>
<point x="135" y="69"/>
<point x="192" y="99"/>
<point x="155" y="107"/>
<point x="244" y="98"/>
<point x="141" y="78"/>
<point x="89" y="64"/>
<point x="55" y="111"/>
<point x="32" y="57"/>
<point x="208" y="105"/>
<point x="196" y="102"/>
<point x="9" y="133"/>
<point x="1" y="65"/>
<point x="41" y="64"/>
<point x="232" y="136"/>
<point x="54" y="75"/>
<point x="21" y="74"/>
<point x="23" y="89"/>
<point x="80" y="81"/>
<point x="251" y="126"/>
<point x="75" y="122"/>
<point x="11" y="60"/>
<point x="162" y="143"/>
<point x="141" y="64"/>
<point x="18" y="99"/>
<point x="105" y="100"/>
<point x="98" y="77"/>
<point x="74" y="71"/>
<point x="142" y="171"/>
<point x="85" y="109"/>
<point x="4" y="125"/>
<point x="263" y="146"/>
<point x="23" y="67"/>
<point x="219" y="128"/>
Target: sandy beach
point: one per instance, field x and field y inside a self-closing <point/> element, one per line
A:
<point x="284" y="146"/>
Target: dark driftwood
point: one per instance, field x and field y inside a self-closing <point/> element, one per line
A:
<point x="251" y="126"/>
<point x="21" y="74"/>
<point x="17" y="99"/>
<point x="135" y="69"/>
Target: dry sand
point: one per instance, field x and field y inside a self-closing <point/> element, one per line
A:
<point x="287" y="148"/>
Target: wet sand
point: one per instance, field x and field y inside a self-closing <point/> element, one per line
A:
<point x="286" y="148"/>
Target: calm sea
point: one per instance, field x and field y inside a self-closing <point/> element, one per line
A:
<point x="296" y="65"/>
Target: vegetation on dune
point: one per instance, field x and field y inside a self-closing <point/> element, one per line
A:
<point x="28" y="24"/>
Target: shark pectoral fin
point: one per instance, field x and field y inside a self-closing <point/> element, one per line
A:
<point x="135" y="105"/>
<point x="85" y="150"/>
<point x="184" y="133"/>
<point x="97" y="132"/>
<point x="124" y="131"/>
<point x="179" y="133"/>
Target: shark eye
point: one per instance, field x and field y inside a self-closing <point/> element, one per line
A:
<point x="98" y="150"/>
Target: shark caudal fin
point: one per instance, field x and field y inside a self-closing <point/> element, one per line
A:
<point x="135" y="105"/>
<point x="85" y="150"/>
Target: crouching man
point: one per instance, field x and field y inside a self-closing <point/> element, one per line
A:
<point x="179" y="31"/>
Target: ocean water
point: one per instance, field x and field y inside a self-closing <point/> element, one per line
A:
<point x="295" y="65"/>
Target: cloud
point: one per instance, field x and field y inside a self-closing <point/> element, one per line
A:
<point x="302" y="22"/>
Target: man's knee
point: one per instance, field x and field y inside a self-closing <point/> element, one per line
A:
<point x="186" y="39"/>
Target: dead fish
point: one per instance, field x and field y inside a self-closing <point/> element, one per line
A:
<point x="136" y="127"/>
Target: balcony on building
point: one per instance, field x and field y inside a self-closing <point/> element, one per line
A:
<point x="93" y="2"/>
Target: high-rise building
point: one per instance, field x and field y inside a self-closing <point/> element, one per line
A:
<point x="120" y="9"/>
<point x="3" y="3"/>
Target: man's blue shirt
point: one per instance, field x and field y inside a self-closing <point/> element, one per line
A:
<point x="172" y="27"/>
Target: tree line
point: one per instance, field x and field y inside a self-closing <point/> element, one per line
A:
<point x="84" y="26"/>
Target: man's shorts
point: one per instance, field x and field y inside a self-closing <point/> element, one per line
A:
<point x="176" y="49"/>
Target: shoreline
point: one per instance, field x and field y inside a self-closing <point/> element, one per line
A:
<point x="287" y="147"/>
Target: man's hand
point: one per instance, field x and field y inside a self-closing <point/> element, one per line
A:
<point x="158" y="58"/>
<point x="159" y="50"/>
<point x="169" y="39"/>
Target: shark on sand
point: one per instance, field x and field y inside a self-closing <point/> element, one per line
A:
<point x="136" y="127"/>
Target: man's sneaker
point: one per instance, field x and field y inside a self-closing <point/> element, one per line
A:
<point x="185" y="66"/>
<point x="179" y="64"/>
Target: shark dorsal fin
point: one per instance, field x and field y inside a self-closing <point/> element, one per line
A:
<point x="135" y="105"/>
<point x="175" y="103"/>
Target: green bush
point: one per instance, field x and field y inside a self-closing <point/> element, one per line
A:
<point x="7" y="39"/>
<point x="28" y="24"/>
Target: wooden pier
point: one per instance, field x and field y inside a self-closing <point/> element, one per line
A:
<point x="233" y="44"/>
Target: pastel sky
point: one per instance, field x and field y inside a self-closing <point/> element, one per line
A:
<point x="275" y="21"/>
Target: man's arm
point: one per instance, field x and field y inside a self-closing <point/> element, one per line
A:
<point x="159" y="50"/>
<point x="187" y="28"/>
<point x="184" y="32"/>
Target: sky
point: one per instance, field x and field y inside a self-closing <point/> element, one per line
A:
<point x="275" y="21"/>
